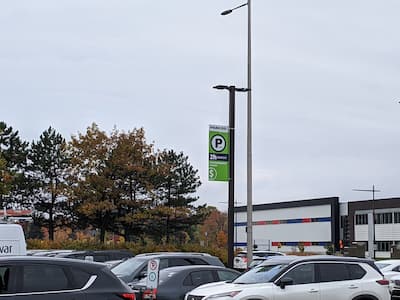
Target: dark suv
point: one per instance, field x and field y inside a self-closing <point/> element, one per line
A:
<point x="135" y="268"/>
<point x="48" y="278"/>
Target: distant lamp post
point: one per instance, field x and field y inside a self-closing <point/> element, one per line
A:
<point x="371" y="222"/>
<point x="231" y="189"/>
<point x="249" y="228"/>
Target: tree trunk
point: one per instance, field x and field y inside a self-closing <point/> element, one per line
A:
<point x="51" y="224"/>
<point x="102" y="235"/>
<point x="168" y="229"/>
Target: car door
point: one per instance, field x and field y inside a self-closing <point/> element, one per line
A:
<point x="42" y="282"/>
<point x="339" y="281"/>
<point x="303" y="284"/>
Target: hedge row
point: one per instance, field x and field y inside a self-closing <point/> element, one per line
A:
<point x="136" y="248"/>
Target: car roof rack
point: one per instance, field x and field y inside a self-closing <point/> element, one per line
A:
<point x="173" y="253"/>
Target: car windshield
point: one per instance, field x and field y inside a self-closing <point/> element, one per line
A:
<point x="260" y="274"/>
<point x="256" y="262"/>
<point x="381" y="265"/>
<point x="125" y="269"/>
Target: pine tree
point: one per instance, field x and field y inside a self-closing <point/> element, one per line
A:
<point x="13" y="157"/>
<point x="49" y="163"/>
<point x="175" y="184"/>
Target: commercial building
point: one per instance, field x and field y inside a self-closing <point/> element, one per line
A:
<point x="285" y="226"/>
<point x="316" y="224"/>
<point x="384" y="229"/>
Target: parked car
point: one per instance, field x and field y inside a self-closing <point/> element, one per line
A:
<point x="99" y="256"/>
<point x="307" y="278"/>
<point x="48" y="278"/>
<point x="135" y="269"/>
<point x="240" y="261"/>
<point x="389" y="267"/>
<point x="394" y="287"/>
<point x="175" y="282"/>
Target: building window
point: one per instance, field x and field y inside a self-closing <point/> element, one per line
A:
<point x="383" y="246"/>
<point x="384" y="218"/>
<point x="362" y="219"/>
<point x="396" y="217"/>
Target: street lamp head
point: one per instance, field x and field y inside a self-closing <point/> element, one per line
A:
<point x="226" y="12"/>
<point x="221" y="87"/>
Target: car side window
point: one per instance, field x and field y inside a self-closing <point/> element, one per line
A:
<point x="355" y="271"/>
<point x="4" y="279"/>
<point x="197" y="261"/>
<point x="198" y="278"/>
<point x="178" y="261"/>
<point x="226" y="276"/>
<point x="39" y="278"/>
<point x="302" y="274"/>
<point x="164" y="262"/>
<point x="340" y="271"/>
<point x="100" y="258"/>
<point x="79" y="278"/>
<point x="77" y="256"/>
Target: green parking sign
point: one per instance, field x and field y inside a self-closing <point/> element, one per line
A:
<point x="218" y="157"/>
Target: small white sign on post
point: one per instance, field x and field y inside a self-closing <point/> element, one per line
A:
<point x="153" y="268"/>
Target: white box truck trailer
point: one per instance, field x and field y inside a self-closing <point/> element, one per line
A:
<point x="12" y="240"/>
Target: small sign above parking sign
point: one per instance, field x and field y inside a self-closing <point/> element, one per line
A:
<point x="153" y="267"/>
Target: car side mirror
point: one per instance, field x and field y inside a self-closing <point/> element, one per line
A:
<point x="285" y="281"/>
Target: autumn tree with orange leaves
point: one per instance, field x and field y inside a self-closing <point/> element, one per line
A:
<point x="215" y="227"/>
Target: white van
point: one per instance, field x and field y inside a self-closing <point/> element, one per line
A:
<point x="12" y="240"/>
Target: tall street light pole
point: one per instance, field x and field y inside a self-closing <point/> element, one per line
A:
<point x="249" y="136"/>
<point x="231" y="189"/>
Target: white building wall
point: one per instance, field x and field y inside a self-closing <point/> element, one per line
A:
<point x="387" y="232"/>
<point x="287" y="213"/>
<point x="264" y="235"/>
<point x="309" y="232"/>
<point x="361" y="233"/>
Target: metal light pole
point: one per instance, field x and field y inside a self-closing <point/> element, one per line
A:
<point x="231" y="189"/>
<point x="249" y="136"/>
<point x="371" y="244"/>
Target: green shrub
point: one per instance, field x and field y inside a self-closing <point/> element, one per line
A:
<point x="136" y="248"/>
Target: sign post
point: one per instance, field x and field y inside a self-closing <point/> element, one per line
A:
<point x="153" y="268"/>
<point x="218" y="160"/>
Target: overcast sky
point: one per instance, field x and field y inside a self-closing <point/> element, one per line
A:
<point x="326" y="86"/>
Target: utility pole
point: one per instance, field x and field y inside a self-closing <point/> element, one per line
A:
<point x="371" y="222"/>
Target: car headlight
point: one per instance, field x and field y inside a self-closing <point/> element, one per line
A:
<point x="228" y="294"/>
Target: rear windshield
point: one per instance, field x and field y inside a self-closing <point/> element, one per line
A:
<point x="125" y="269"/>
<point x="260" y="274"/>
<point x="381" y="265"/>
